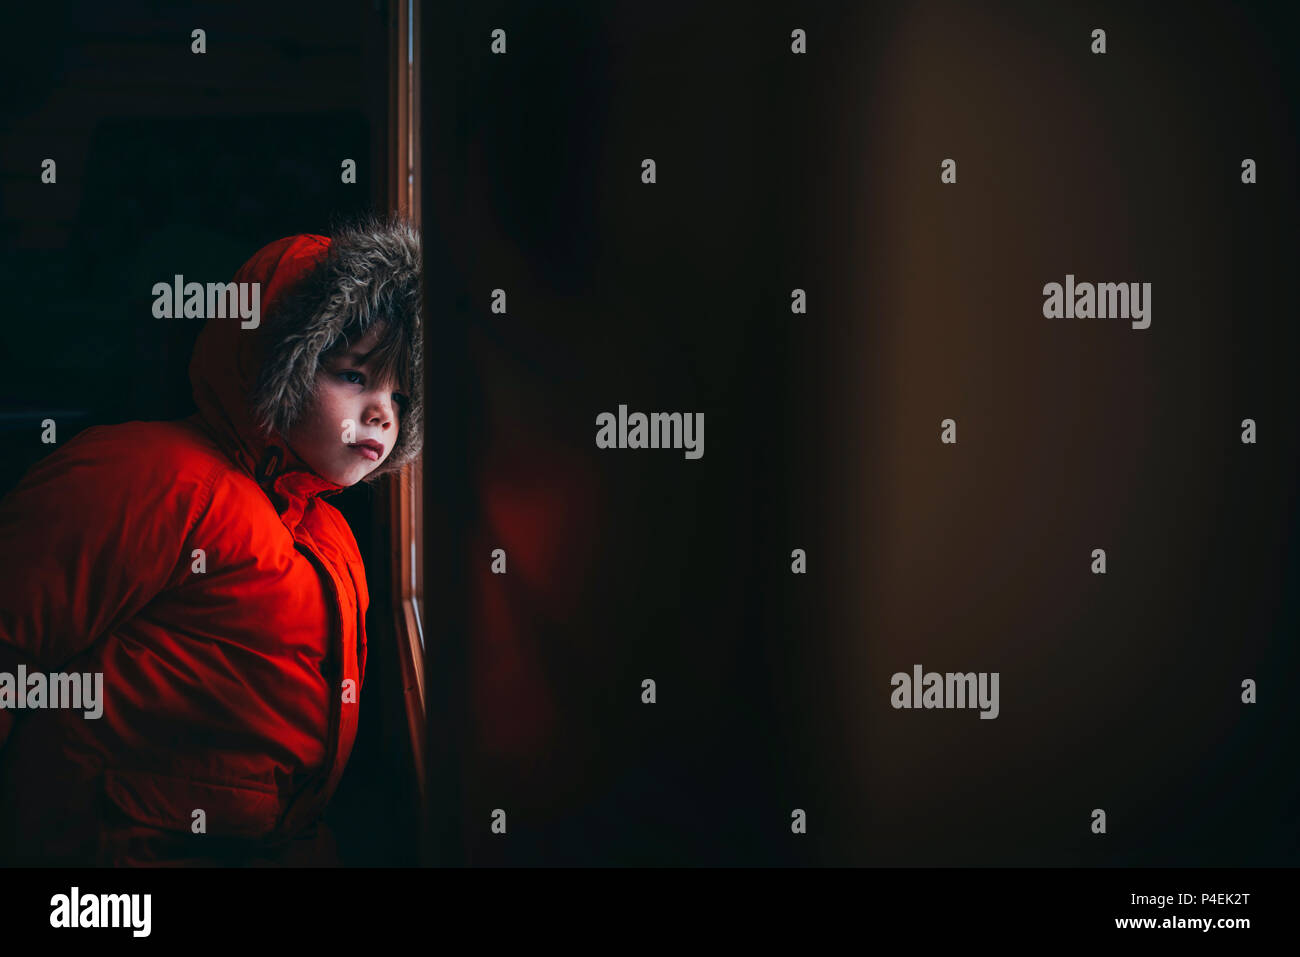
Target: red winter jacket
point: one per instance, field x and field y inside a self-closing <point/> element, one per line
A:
<point x="223" y="675"/>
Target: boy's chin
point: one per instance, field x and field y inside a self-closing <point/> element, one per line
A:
<point x="345" y="476"/>
<point x="349" y="478"/>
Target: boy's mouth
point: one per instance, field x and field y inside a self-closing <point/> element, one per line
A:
<point x="369" y="448"/>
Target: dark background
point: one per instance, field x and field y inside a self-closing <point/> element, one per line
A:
<point x="171" y="162"/>
<point x="775" y="171"/>
<point x="821" y="172"/>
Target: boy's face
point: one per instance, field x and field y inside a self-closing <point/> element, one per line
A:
<point x="352" y="422"/>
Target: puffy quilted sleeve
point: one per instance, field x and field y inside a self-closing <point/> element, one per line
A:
<point x="89" y="536"/>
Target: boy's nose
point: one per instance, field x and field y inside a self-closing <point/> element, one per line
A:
<point x="380" y="412"/>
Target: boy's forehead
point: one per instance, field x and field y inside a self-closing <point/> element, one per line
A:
<point x="361" y="347"/>
<point x="367" y="342"/>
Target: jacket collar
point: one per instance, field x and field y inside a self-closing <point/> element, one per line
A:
<point x="289" y="482"/>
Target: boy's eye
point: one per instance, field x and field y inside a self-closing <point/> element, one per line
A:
<point x="401" y="400"/>
<point x="347" y="372"/>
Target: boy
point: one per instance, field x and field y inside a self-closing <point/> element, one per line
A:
<point x="195" y="565"/>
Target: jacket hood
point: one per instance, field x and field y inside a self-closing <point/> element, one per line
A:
<point x="252" y="384"/>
